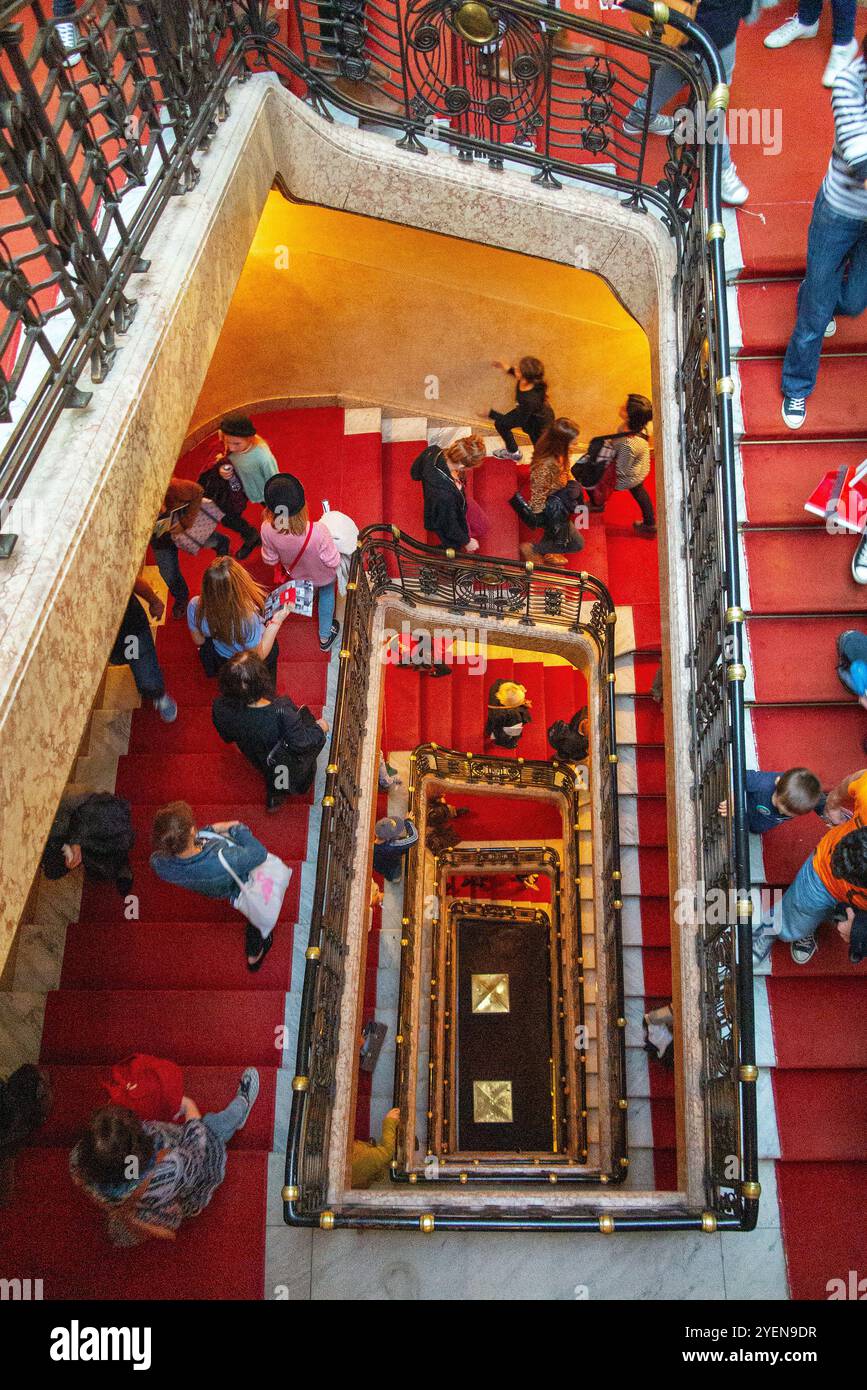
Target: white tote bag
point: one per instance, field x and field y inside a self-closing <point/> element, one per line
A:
<point x="260" y="898"/>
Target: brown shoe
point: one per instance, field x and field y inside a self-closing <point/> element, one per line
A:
<point x="648" y="532"/>
<point x="527" y="551"/>
<point x="554" y="559"/>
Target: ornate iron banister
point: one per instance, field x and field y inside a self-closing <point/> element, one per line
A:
<point x="92" y="151"/>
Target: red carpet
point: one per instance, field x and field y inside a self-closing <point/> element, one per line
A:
<point x="824" y="1225"/>
<point x="802" y="596"/>
<point x="838" y="406"/>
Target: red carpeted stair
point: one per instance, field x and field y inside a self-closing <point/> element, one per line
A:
<point x="802" y="596"/>
<point x="174" y="981"/>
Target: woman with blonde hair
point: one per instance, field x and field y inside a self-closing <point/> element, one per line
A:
<point x="300" y="548"/>
<point x="508" y="712"/>
<point x="227" y="617"/>
<point x="248" y="454"/>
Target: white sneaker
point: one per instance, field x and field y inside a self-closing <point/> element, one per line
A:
<point x="831" y="328"/>
<point x="657" y="125"/>
<point x="732" y="189"/>
<point x="859" y="561"/>
<point x="68" y="35"/>
<point x="842" y="54"/>
<point x="788" y="32"/>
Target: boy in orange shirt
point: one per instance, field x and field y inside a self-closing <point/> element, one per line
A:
<point x="835" y="873"/>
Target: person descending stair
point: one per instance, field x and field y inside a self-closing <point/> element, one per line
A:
<point x="273" y="734"/>
<point x="149" y="1177"/>
<point x="134" y="647"/>
<point x="628" y="463"/>
<point x="532" y="411"/>
<point x="508" y="712"/>
<point x="836" y="277"/>
<point x="223" y="860"/>
<point x="805" y="25"/>
<point x="720" y="20"/>
<point x="555" y="494"/>
<point x="228" y="617"/>
<point x="299" y="548"/>
<point x="441" y="474"/>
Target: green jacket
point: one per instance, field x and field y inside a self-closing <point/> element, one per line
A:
<point x="254" y="468"/>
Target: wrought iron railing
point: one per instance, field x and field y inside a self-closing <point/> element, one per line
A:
<point x="93" y="149"/>
<point x="443" y="767"/>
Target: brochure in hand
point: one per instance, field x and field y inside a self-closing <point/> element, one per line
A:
<point x="294" y="594"/>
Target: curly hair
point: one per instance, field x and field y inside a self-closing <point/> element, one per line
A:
<point x="849" y="858"/>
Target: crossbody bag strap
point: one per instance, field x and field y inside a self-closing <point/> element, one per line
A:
<point x="229" y="870"/>
<point x="291" y="570"/>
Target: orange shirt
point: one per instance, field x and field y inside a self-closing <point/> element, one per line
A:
<point x="842" y="890"/>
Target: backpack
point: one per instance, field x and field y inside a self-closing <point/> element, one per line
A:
<point x="597" y="469"/>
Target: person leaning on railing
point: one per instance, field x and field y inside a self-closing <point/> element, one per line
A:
<point x="720" y="20"/>
<point x="834" y="876"/>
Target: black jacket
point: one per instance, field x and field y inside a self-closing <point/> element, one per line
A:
<point x="219" y="490"/>
<point x="445" y="506"/>
<point x="500" y="718"/>
<point x="720" y="19"/>
<point x="257" y="731"/>
<point x="102" y="825"/>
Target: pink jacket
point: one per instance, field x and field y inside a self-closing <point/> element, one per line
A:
<point x="319" y="563"/>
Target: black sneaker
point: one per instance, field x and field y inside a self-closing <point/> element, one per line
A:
<point x="794" y="411"/>
<point x="179" y="609"/>
<point x="246" y="550"/>
<point x="330" y="639"/>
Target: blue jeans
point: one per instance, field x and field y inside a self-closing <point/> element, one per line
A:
<point x="325" y="606"/>
<point x="835" y="283"/>
<point x="146" y="670"/>
<point x="668" y="82"/>
<point x="168" y="559"/>
<point x="804" y="906"/>
<point x="842" y="16"/>
<point x="63" y="9"/>
<point x="224" y="1123"/>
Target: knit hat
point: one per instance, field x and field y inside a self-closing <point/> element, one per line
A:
<point x="510" y="695"/>
<point x="283" y="492"/>
<point x="240" y="426"/>
<point x="391" y="828"/>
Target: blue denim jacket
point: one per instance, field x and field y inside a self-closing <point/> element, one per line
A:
<point x="203" y="873"/>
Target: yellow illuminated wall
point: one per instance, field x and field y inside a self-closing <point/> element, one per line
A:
<point x="330" y="303"/>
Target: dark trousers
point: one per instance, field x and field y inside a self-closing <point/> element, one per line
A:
<point x="237" y="522"/>
<point x="168" y="559"/>
<point x="516" y="419"/>
<point x="63" y="9"/>
<point x="642" y="497"/>
<point x="145" y="667"/>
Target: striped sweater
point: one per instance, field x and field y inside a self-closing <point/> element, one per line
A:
<point x="180" y="1184"/>
<point x="844" y="182"/>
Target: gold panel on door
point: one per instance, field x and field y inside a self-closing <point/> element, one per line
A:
<point x="492" y="1102"/>
<point x="490" y="994"/>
